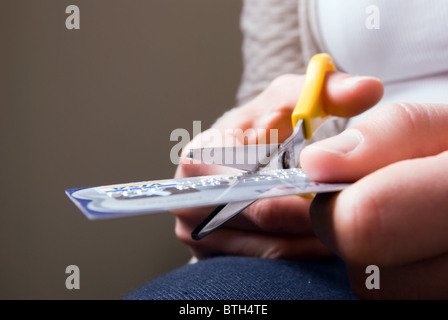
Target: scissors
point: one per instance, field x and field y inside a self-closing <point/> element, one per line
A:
<point x="307" y="116"/>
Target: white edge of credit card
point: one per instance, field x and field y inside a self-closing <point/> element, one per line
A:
<point x="146" y="197"/>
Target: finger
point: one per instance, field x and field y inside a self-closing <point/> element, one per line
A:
<point x="425" y="279"/>
<point x="227" y="241"/>
<point x="391" y="133"/>
<point x="284" y="215"/>
<point x="343" y="95"/>
<point x="394" y="216"/>
<point x="347" y="96"/>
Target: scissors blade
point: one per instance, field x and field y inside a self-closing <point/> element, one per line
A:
<point x="218" y="217"/>
<point x="287" y="156"/>
<point x="245" y="157"/>
<point x="307" y="115"/>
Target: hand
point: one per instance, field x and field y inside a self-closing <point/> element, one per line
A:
<point x="395" y="215"/>
<point x="278" y="227"/>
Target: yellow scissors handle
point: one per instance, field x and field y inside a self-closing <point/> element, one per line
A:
<point x="309" y="107"/>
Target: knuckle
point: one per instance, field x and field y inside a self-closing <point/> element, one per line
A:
<point x="262" y="214"/>
<point x="411" y="113"/>
<point x="278" y="100"/>
<point x="283" y="80"/>
<point x="282" y="91"/>
<point x="415" y="116"/>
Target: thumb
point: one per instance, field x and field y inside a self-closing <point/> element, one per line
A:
<point x="391" y="133"/>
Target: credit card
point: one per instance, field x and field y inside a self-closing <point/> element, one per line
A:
<point x="146" y="197"/>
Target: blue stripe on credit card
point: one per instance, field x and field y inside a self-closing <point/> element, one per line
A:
<point x="146" y="197"/>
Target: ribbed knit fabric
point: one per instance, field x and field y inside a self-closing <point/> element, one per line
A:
<point x="271" y="44"/>
<point x="279" y="37"/>
<point x="243" y="278"/>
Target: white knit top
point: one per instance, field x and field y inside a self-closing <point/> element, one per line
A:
<point x="409" y="51"/>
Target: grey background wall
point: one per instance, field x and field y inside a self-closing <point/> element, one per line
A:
<point x="96" y="106"/>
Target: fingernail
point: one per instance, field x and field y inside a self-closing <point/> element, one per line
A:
<point x="353" y="80"/>
<point x="342" y="144"/>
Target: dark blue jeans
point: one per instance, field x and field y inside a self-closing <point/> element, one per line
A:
<point x="243" y="278"/>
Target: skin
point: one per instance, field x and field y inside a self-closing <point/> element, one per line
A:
<point x="393" y="215"/>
